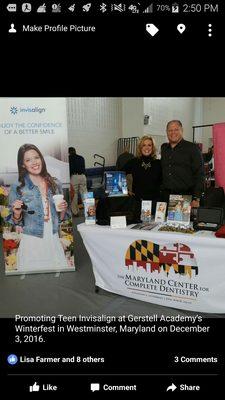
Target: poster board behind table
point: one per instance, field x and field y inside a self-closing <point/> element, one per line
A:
<point x="41" y="122"/>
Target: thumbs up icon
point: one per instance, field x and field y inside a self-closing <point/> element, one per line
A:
<point x="34" y="388"/>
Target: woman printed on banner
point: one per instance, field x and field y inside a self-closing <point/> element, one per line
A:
<point x="33" y="212"/>
<point x="146" y="172"/>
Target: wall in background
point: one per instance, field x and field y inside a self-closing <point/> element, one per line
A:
<point x="132" y="116"/>
<point x="94" y="126"/>
<point x="213" y="112"/>
<point x="163" y="109"/>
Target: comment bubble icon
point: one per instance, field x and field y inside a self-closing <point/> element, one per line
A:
<point x="95" y="387"/>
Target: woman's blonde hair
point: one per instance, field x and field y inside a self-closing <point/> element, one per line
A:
<point x="140" y="145"/>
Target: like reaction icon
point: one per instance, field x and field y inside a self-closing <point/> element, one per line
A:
<point x="34" y="388"/>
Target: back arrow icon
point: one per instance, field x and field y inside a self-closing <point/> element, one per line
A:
<point x="172" y="387"/>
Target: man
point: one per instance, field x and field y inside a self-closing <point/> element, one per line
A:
<point x="182" y="165"/>
<point x="78" y="178"/>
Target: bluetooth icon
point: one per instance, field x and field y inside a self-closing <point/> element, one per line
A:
<point x="103" y="7"/>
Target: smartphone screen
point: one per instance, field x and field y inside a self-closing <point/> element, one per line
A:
<point x="131" y="311"/>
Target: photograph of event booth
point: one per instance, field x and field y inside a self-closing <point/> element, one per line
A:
<point x="147" y="200"/>
<point x="174" y="215"/>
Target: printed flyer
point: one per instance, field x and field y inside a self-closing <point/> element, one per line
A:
<point x="179" y="210"/>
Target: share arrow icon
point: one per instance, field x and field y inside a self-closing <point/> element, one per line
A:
<point x="171" y="387"/>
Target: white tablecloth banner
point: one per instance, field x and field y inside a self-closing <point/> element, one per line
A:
<point x="170" y="269"/>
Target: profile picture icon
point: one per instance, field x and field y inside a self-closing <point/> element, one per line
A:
<point x="12" y="29"/>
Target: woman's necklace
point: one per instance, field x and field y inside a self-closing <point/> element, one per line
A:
<point x="146" y="165"/>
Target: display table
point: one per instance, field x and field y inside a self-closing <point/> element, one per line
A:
<point x="185" y="271"/>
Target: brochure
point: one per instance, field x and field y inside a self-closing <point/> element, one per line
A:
<point x="89" y="208"/>
<point x="179" y="210"/>
<point x="160" y="214"/>
<point x="145" y="226"/>
<point x="146" y="210"/>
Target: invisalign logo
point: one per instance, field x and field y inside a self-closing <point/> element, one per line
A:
<point x="14" y="110"/>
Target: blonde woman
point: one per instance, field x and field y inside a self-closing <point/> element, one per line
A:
<point x="146" y="171"/>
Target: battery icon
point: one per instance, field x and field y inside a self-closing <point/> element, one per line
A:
<point x="175" y="8"/>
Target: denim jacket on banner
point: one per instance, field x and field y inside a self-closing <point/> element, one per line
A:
<point x="33" y="218"/>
